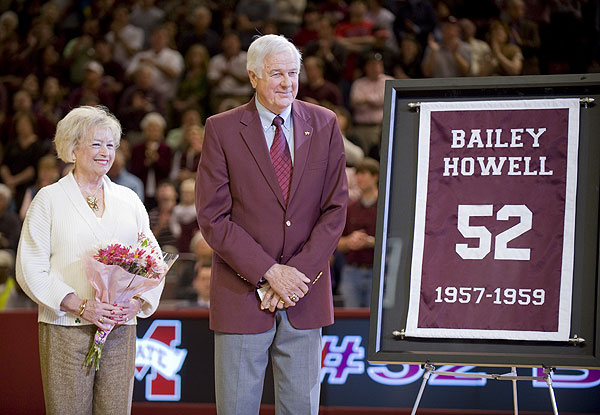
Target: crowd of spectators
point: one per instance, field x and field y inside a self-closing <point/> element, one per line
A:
<point x="163" y="67"/>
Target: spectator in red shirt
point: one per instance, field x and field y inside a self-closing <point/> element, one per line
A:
<point x="356" y="32"/>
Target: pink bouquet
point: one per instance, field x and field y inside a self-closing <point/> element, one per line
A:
<point x="118" y="273"/>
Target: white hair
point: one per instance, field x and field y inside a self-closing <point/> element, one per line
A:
<point x="76" y="126"/>
<point x="268" y="45"/>
<point x="153" y="117"/>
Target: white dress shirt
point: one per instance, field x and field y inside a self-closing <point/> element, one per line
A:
<point x="266" y="119"/>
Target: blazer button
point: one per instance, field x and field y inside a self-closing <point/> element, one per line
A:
<point x="288" y="223"/>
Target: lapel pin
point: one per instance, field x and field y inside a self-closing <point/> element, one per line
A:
<point x="306" y="132"/>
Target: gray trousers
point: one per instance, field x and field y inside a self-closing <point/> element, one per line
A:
<point x="72" y="388"/>
<point x="241" y="361"/>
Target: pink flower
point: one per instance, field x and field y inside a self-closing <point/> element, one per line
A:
<point x="150" y="263"/>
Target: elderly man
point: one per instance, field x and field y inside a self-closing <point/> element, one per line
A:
<point x="271" y="200"/>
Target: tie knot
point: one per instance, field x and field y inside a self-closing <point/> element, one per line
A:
<point x="277" y="121"/>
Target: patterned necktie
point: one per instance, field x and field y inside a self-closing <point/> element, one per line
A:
<point x="281" y="158"/>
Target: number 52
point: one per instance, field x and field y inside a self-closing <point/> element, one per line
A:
<point x="501" y="250"/>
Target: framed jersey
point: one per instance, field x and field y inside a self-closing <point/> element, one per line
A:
<point x="494" y="229"/>
<point x="487" y="238"/>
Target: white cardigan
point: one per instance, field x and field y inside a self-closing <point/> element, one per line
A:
<point x="60" y="229"/>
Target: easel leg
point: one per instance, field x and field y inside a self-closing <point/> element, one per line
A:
<point x="514" y="387"/>
<point x="551" y="390"/>
<point x="428" y="369"/>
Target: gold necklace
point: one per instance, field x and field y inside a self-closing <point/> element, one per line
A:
<point x="92" y="201"/>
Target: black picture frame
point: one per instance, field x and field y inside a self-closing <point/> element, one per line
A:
<point x="395" y="223"/>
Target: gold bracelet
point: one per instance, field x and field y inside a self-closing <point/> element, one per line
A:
<point x="82" y="307"/>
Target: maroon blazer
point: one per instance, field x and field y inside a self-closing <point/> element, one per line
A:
<point x="244" y="219"/>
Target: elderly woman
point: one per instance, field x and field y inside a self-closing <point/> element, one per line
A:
<point x="151" y="159"/>
<point x="66" y="222"/>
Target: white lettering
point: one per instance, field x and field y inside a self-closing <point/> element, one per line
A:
<point x="491" y="164"/>
<point x="475" y="138"/>
<point x="498" y="137"/>
<point x="535" y="136"/>
<point x="493" y="138"/>
<point x="513" y="166"/>
<point x="448" y="166"/>
<point x="458" y="139"/>
<point x="495" y="166"/>
<point x="528" y="172"/>
<point x="515" y="137"/>
<point x="467" y="166"/>
<point x="543" y="171"/>
<point x="489" y="133"/>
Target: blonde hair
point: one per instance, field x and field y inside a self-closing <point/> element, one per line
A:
<point x="76" y="126"/>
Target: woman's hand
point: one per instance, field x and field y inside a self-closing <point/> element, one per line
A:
<point x="104" y="316"/>
<point x="129" y="310"/>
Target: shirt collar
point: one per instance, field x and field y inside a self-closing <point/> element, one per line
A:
<point x="266" y="116"/>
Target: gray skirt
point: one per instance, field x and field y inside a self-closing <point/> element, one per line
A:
<point x="72" y="388"/>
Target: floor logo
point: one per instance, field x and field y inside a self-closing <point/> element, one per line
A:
<point x="340" y="361"/>
<point x="157" y="352"/>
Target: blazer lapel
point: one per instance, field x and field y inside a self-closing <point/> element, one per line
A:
<point x="303" y="132"/>
<point x="253" y="136"/>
